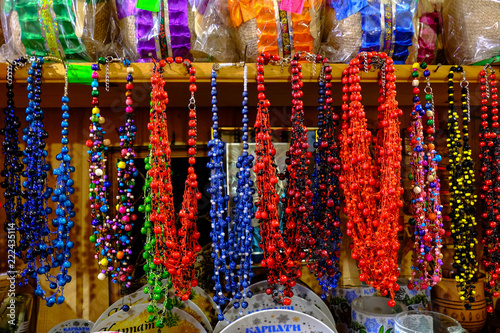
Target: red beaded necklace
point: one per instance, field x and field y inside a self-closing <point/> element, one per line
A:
<point x="175" y="248"/>
<point x="372" y="184"/>
<point x="489" y="143"/>
<point x="279" y="253"/>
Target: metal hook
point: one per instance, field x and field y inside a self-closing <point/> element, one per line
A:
<point x="245" y="59"/>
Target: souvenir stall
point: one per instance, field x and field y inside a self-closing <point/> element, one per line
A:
<point x="249" y="166"/>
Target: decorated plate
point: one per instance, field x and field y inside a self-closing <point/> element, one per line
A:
<point x="136" y="320"/>
<point x="299" y="290"/>
<point x="278" y="321"/>
<point x="263" y="301"/>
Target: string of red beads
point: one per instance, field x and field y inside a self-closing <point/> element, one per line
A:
<point x="371" y="185"/>
<point x="489" y="143"/>
<point x="180" y="246"/>
<point x="278" y="253"/>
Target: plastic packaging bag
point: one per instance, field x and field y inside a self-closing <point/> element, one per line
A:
<point x="213" y="40"/>
<point x="430" y="36"/>
<point x="71" y="29"/>
<point x="99" y="30"/>
<point x="373" y="25"/>
<point x="471" y="30"/>
<point x="260" y="26"/>
<point x="157" y="35"/>
<point x="196" y="10"/>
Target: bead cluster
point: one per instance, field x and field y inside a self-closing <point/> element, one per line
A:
<point x="126" y="173"/>
<point x="278" y="255"/>
<point x="372" y="185"/>
<point x="99" y="183"/>
<point x="170" y="252"/>
<point x="326" y="191"/>
<point x="463" y="199"/>
<point x="231" y="242"/>
<point x="44" y="253"/>
<point x="426" y="202"/>
<point x="298" y="195"/>
<point x="489" y="143"/>
<point x="13" y="167"/>
<point x="158" y="201"/>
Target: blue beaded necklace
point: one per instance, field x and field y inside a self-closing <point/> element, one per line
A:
<point x="231" y="241"/>
<point x="326" y="191"/>
<point x="12" y="166"/>
<point x="45" y="253"/>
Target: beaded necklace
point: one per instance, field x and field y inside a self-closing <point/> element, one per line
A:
<point x="372" y="185"/>
<point x="45" y="253"/>
<point x="13" y="167"/>
<point x="463" y="199"/>
<point x="297" y="202"/>
<point x="232" y="242"/>
<point x="426" y="202"/>
<point x="170" y="252"/>
<point x="99" y="183"/>
<point x="126" y="173"/>
<point x="326" y="191"/>
<point x="490" y="171"/>
<point x="278" y="256"/>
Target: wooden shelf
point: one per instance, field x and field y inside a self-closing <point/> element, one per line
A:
<point x="230" y="92"/>
<point x="53" y="73"/>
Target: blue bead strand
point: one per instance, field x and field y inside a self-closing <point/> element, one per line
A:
<point x="13" y="167"/>
<point x="231" y="241"/>
<point x="47" y="249"/>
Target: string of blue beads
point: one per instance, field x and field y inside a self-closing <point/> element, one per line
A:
<point x="232" y="242"/>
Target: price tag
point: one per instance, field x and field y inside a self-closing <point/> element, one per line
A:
<point x="151" y="5"/>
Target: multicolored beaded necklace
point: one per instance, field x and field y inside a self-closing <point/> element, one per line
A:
<point x="372" y="184"/>
<point x="463" y="199"/>
<point x="489" y="143"/>
<point x="99" y="183"/>
<point x="426" y="201"/>
<point x="126" y="173"/>
<point x="326" y="191"/>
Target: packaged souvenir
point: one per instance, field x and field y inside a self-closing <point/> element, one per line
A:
<point x="72" y="30"/>
<point x="148" y="34"/>
<point x="369" y="25"/>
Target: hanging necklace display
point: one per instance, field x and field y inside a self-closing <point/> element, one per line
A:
<point x="463" y="199"/>
<point x="112" y="237"/>
<point x="170" y="252"/>
<point x="298" y="198"/>
<point x="45" y="253"/>
<point x="489" y="143"/>
<point x="326" y="191"/>
<point x="426" y="202"/>
<point x="231" y="241"/>
<point x="371" y="185"/>
<point x="126" y="173"/>
<point x="278" y="258"/>
<point x="13" y="167"/>
<point x="99" y="183"/>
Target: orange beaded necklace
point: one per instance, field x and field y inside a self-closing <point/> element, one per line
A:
<point x="371" y="184"/>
